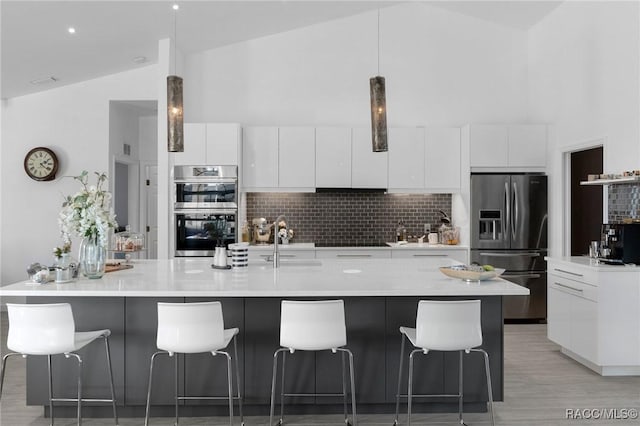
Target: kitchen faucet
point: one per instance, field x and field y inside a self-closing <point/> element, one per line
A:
<point x="276" y="253"/>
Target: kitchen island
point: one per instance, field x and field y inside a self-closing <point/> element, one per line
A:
<point x="380" y="295"/>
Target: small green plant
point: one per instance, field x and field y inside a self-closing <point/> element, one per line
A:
<point x="59" y="251"/>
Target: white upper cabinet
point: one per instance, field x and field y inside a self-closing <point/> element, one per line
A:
<point x="368" y="169"/>
<point x="209" y="144"/>
<point x="195" y="139"/>
<point x="518" y="147"/>
<point x="442" y="159"/>
<point x="527" y="145"/>
<point x="223" y="143"/>
<point x="406" y="158"/>
<point x="260" y="157"/>
<point x="296" y="154"/>
<point x="333" y="157"/>
<point x="488" y="145"/>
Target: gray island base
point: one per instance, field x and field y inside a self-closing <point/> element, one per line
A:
<point x="373" y="320"/>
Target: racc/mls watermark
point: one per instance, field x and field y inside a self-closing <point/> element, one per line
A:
<point x="601" y="413"/>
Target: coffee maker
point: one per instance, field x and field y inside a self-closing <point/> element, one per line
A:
<point x="620" y="243"/>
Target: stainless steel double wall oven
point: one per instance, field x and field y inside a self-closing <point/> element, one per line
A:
<point x="205" y="208"/>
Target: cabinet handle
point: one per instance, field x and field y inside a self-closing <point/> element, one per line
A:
<point x="353" y="255"/>
<point x="568" y="272"/>
<point x="568" y="287"/>
<point x="429" y="255"/>
<point x="510" y="254"/>
<point x="269" y="257"/>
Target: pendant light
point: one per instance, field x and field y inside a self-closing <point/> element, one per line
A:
<point x="175" y="121"/>
<point x="378" y="106"/>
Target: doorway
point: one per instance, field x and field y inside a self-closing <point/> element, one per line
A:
<point x="586" y="201"/>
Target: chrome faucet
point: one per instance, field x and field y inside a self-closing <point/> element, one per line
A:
<point x="276" y="253"/>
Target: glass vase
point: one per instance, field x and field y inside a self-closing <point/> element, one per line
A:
<point x="93" y="257"/>
<point x="63" y="268"/>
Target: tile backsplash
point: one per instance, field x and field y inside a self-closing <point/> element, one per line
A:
<point x="349" y="217"/>
<point x="624" y="202"/>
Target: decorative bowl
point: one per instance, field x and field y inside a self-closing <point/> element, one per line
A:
<point x="470" y="275"/>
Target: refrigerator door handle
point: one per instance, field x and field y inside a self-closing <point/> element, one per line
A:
<point x="507" y="203"/>
<point x="514" y="221"/>
<point x="509" y="254"/>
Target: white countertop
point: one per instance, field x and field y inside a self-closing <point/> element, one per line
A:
<point x="426" y="246"/>
<point x="588" y="262"/>
<point x="296" y="278"/>
<point x="404" y="246"/>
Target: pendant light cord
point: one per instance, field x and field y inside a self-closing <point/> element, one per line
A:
<point x="175" y="42"/>
<point x="378" y="40"/>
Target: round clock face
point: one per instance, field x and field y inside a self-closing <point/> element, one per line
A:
<point x="41" y="164"/>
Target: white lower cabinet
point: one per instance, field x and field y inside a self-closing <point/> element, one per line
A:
<point x="353" y="254"/>
<point x="572" y="314"/>
<point x="460" y="255"/>
<point x="593" y="313"/>
<point x="257" y="253"/>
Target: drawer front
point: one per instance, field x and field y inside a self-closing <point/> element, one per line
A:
<point x="284" y="254"/>
<point x="353" y="254"/>
<point x="571" y="272"/>
<point x="573" y="287"/>
<point x="458" y="255"/>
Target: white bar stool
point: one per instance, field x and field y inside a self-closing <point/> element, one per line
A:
<point x="313" y="326"/>
<point x="49" y="329"/>
<point x="444" y="326"/>
<point x="190" y="328"/>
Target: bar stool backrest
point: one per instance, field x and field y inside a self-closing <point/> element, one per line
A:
<point x="40" y="329"/>
<point x="448" y="325"/>
<point x="190" y="327"/>
<point x="312" y="325"/>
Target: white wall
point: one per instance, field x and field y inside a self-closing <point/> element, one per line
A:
<point x="148" y="137"/>
<point x="73" y="121"/>
<point x="440" y="68"/>
<point x="584" y="77"/>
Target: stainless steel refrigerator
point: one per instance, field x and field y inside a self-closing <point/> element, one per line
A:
<point x="509" y="230"/>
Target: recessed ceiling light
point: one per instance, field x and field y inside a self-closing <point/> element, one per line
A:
<point x="44" y="80"/>
<point x="176" y="6"/>
<point x="71" y="30"/>
<point x="140" y="59"/>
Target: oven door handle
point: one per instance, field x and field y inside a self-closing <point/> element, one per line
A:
<point x="205" y="211"/>
<point x="193" y="181"/>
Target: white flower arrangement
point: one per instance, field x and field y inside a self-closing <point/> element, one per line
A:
<point x="88" y="213"/>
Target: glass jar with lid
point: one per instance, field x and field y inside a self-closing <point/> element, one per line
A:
<point x="127" y="241"/>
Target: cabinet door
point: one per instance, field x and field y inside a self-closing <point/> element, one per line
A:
<point x="194" y="146"/>
<point x="368" y="169"/>
<point x="442" y="159"/>
<point x="445" y="255"/>
<point x="406" y="157"/>
<point x="488" y="145"/>
<point x="222" y="144"/>
<point x="260" y="157"/>
<point x="584" y="328"/>
<point x="333" y="157"/>
<point x="297" y="157"/>
<point x="527" y="145"/>
<point x="558" y="315"/>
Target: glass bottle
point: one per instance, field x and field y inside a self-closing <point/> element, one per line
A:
<point x="401" y="232"/>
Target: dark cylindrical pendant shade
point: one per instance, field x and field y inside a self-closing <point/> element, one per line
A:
<point x="175" y="122"/>
<point x="378" y="114"/>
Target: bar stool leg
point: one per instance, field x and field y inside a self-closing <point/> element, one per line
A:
<point x="175" y="374"/>
<point x="344" y="386"/>
<point x="77" y="357"/>
<point x="148" y="409"/>
<point x="113" y="393"/>
<point x="489" y="388"/>
<point x="410" y="386"/>
<point x="284" y="359"/>
<point x="460" y="388"/>
<point x="353" y="389"/>
<point x="2" y="371"/>
<point x="395" y="422"/>
<point x="273" y="384"/>
<point x="235" y="354"/>
<point x="230" y="385"/>
<point x="50" y="390"/>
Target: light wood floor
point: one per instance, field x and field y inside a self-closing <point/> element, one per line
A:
<point x="540" y="385"/>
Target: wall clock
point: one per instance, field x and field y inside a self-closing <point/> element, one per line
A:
<point x="41" y="164"/>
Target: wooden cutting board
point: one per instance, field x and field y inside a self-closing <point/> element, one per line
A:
<point x="112" y="267"/>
